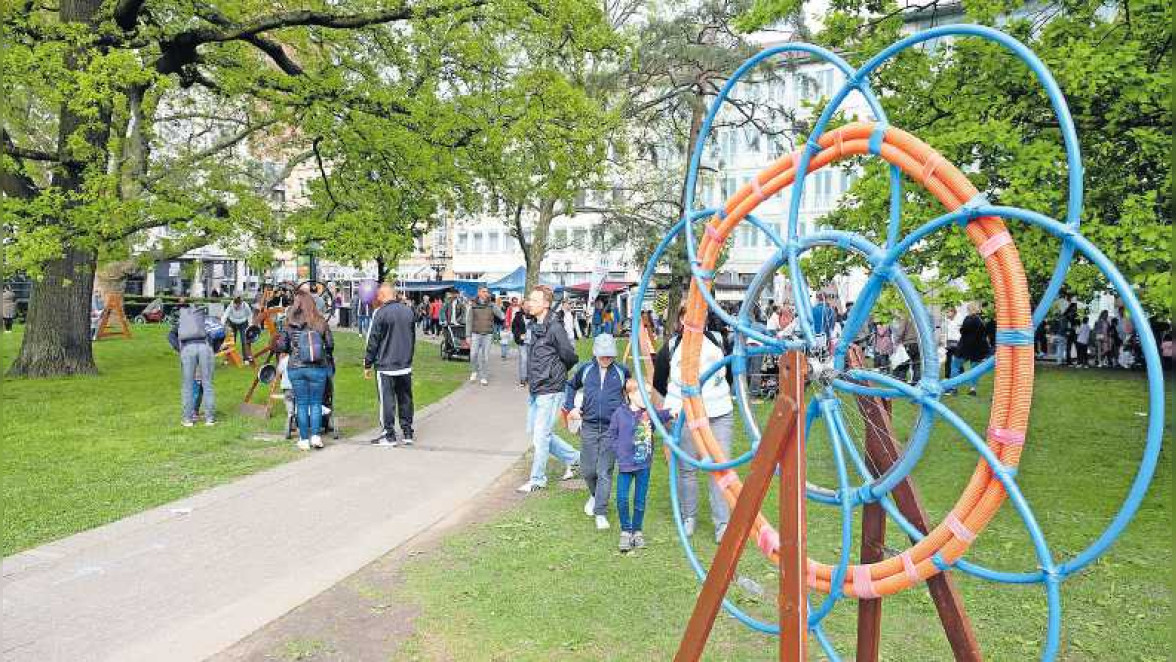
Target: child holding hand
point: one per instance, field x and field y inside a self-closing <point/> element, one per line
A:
<point x="630" y="432"/>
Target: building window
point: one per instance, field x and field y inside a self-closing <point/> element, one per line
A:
<point x="560" y="238"/>
<point x="580" y="238"/>
<point x="462" y="242"/>
<point x="477" y="243"/>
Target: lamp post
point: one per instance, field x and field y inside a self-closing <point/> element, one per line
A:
<point x="312" y="249"/>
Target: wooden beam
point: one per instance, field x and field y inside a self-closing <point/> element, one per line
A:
<point x="793" y="523"/>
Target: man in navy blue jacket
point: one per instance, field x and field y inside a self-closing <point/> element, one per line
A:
<point x="603" y="381"/>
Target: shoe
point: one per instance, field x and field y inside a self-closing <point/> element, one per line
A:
<point x="485" y="382"/>
<point x="638" y="540"/>
<point x="590" y="506"/>
<point x="407" y="441"/>
<point x="601" y="523"/>
<point x="316" y="441"/>
<point x="689" y="526"/>
<point x="210" y="422"/>
<point x="186" y="423"/>
<point x="385" y="440"/>
<point x="972" y="392"/>
<point x="570" y="472"/>
<point x="626" y="542"/>
<point x="529" y="487"/>
<point x="719" y="533"/>
<point x="303" y="445"/>
<point x="473" y="376"/>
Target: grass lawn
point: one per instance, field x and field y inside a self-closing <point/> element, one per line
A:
<point x="539" y="583"/>
<point x="81" y="452"/>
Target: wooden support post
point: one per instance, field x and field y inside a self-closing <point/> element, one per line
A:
<point x="113" y="311"/>
<point x="783" y="434"/>
<point x="882" y="452"/>
<point x="793" y="521"/>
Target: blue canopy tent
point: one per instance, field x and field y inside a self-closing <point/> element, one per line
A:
<point x="468" y="288"/>
<point x="516" y="281"/>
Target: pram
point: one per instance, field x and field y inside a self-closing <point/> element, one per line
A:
<point x="454" y="344"/>
<point x="328" y="411"/>
<point x="765" y="382"/>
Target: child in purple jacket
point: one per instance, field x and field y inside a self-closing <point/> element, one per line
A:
<point x="630" y="433"/>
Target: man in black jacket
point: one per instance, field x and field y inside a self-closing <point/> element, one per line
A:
<point x="390" y="345"/>
<point x="550" y="356"/>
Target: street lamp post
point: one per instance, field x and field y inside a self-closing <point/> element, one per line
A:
<point x="312" y="250"/>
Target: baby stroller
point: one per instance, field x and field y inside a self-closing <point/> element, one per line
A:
<point x="454" y="344"/>
<point x="328" y="411"/>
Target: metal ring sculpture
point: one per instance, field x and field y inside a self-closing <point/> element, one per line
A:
<point x="1000" y="448"/>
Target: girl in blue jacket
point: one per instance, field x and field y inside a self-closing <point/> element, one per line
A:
<point x="630" y="433"/>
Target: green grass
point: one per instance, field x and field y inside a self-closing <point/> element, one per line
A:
<point x="81" y="452"/>
<point x="538" y="583"/>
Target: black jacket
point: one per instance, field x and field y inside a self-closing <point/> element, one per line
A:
<point x="549" y="357"/>
<point x="288" y="342"/>
<point x="518" y="327"/>
<point x="973" y="345"/>
<point x="392" y="339"/>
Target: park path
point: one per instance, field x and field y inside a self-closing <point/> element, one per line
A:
<point x="190" y="578"/>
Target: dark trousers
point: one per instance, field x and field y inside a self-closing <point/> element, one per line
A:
<point x="596" y="463"/>
<point x="1083" y="353"/>
<point x="8" y="323"/>
<point x="395" y="403"/>
<point x="639" y="481"/>
<point x="238" y="331"/>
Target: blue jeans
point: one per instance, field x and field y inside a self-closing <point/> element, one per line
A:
<point x="957" y="366"/>
<point x="310" y="383"/>
<point x="193" y="357"/>
<point x="364" y="322"/>
<point x="624" y="480"/>
<point x="542" y="413"/>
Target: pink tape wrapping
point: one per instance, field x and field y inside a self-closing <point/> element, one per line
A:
<point x="768" y="540"/>
<point x="811" y="574"/>
<point x="755" y="188"/>
<point x="726" y="478"/>
<point x="930" y="167"/>
<point x="1007" y="436"/>
<point x="696" y="423"/>
<point x="863" y="586"/>
<point x="713" y="233"/>
<point x="839" y="143"/>
<point x="696" y="328"/>
<point x="908" y="564"/>
<point x="960" y="530"/>
<point x="995" y="243"/>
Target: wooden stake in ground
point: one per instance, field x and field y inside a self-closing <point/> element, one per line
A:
<point x="113" y="312"/>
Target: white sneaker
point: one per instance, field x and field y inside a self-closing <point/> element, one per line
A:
<point x="316" y="441"/>
<point x="528" y="487"/>
<point x="303" y="445"/>
<point x="601" y="523"/>
<point x="689" y="526"/>
<point x="569" y="472"/>
<point x="590" y="506"/>
<point x="186" y="423"/>
<point x="473" y="376"/>
<point x="485" y="382"/>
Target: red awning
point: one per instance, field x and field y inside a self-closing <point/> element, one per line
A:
<point x="607" y="287"/>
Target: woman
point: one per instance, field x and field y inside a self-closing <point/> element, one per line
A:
<point x="306" y="337"/>
<point x="973" y="344"/>
<point x="238" y="316"/>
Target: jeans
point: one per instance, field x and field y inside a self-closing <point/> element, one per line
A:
<point x="641" y="480"/>
<point x="364" y="322"/>
<point x="596" y="463"/>
<point x="480" y="353"/>
<point x="504" y="341"/>
<point x="195" y="356"/>
<point x="957" y="366"/>
<point x="238" y="331"/>
<point x="723" y="428"/>
<point x="541" y="416"/>
<point x="309" y="384"/>
<point x="522" y="364"/>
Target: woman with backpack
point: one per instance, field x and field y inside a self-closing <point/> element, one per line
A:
<point x="308" y="341"/>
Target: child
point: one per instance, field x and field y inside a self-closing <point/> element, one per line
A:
<point x="630" y="432"/>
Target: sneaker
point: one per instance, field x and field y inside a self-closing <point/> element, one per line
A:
<point x="626" y="542"/>
<point x="186" y="423"/>
<point x="570" y="472"/>
<point x="719" y="533"/>
<point x="316" y="441"/>
<point x="972" y="392"/>
<point x="689" y="526"/>
<point x="473" y="376"/>
<point x="389" y="441"/>
<point x="485" y="382"/>
<point x="529" y="487"/>
<point x="590" y="506"/>
<point x="303" y="445"/>
<point x="638" y="540"/>
<point x="408" y="441"/>
<point x="601" y="523"/>
<point x="210" y="422"/>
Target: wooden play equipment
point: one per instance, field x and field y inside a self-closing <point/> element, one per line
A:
<point x="114" y="315"/>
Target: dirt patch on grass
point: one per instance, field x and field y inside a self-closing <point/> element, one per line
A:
<point x="359" y="619"/>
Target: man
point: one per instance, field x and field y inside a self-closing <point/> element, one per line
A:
<point x="603" y="382"/>
<point x="567" y="317"/>
<point x="907" y="335"/>
<point x="716" y="400"/>
<point x="520" y="328"/>
<point x="237" y="317"/>
<point x="551" y="355"/>
<point x="480" y="317"/>
<point x="196" y="353"/>
<point x="390" y="345"/>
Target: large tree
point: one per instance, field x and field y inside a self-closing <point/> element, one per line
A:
<point x="125" y="118"/>
<point x="982" y="109"/>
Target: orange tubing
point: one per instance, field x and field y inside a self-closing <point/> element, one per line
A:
<point x="1013" y="376"/>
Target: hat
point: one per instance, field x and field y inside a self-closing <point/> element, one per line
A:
<point x="604" y="345"/>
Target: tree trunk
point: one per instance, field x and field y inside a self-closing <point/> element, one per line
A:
<point x="57" y="335"/>
<point x="676" y="256"/>
<point x="538" y="248"/>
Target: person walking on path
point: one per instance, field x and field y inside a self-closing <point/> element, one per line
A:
<point x="480" y="317"/>
<point x="363" y="315"/>
<point x="390" y="346"/>
<point x="307" y="339"/>
<point x="716" y="399"/>
<point x="8" y="307"/>
<point x="973" y="345"/>
<point x="434" y="316"/>
<point x="630" y="438"/>
<point x="237" y="317"/>
<point x="504" y="332"/>
<point x="550" y="356"/>
<point x="603" y="383"/>
<point x="196" y="354"/>
<point x="567" y="317"/>
<point x="520" y="328"/>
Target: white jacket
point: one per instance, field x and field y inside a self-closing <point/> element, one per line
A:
<point x="716" y="394"/>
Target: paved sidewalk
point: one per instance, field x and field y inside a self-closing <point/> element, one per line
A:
<point x="188" y="579"/>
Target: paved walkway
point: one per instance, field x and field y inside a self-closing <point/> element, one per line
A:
<point x="188" y="579"/>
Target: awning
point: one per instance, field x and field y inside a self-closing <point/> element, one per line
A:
<point x="516" y="281"/>
<point x="467" y="287"/>
<point x="607" y="287"/>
